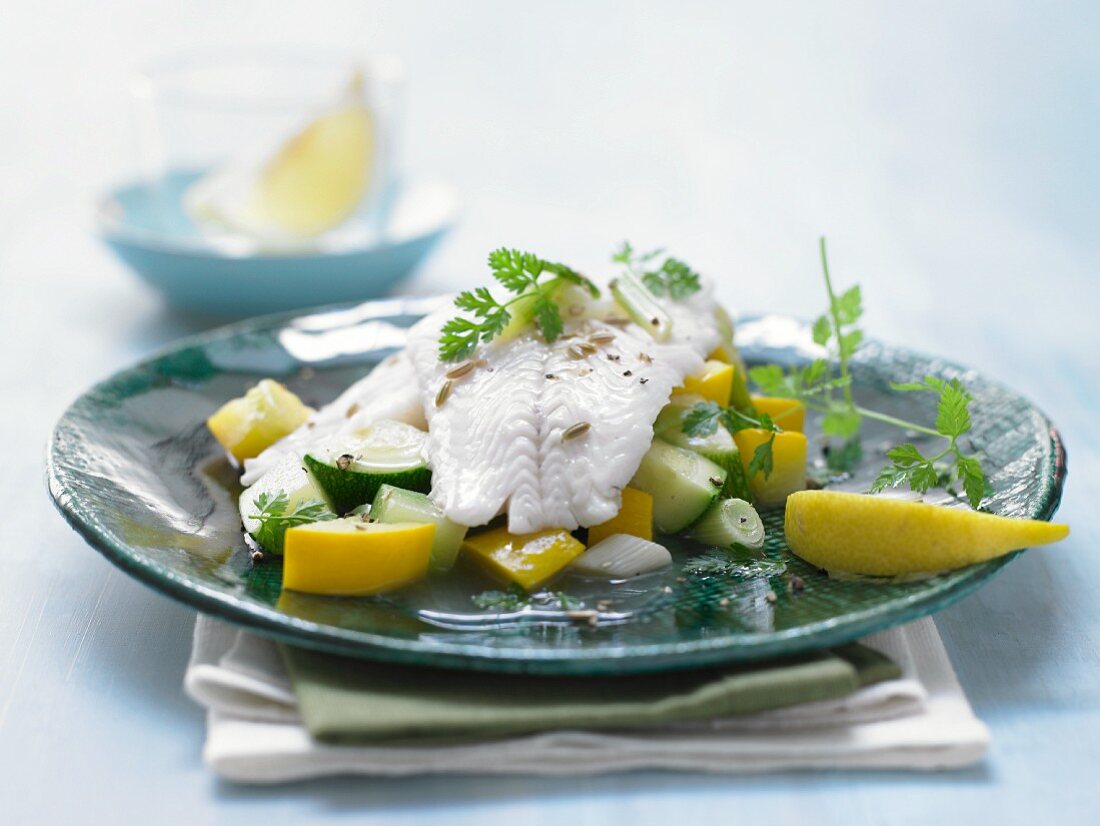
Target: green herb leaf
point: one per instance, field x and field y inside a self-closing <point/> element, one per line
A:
<point x="673" y="277"/>
<point x="762" y="459"/>
<point x="566" y="602"/>
<point x="822" y="330"/>
<point x="519" y="273"/>
<point x="953" y="409"/>
<point x="974" y="480"/>
<point x="844" y="458"/>
<point x="460" y="338"/>
<point x="572" y="276"/>
<point x="548" y="318"/>
<point x="513" y="599"/>
<point x="702" y="419"/>
<point x="515" y="270"/>
<point x="849" y="306"/>
<point x="840" y="420"/>
<point x="770" y="378"/>
<point x="480" y="302"/>
<point x="271" y="513"/>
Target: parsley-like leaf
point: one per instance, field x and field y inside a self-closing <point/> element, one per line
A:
<point x="548" y="318"/>
<point x="762" y="459"/>
<point x="271" y="513"/>
<point x="519" y="273"/>
<point x="841" y="421"/>
<point x="702" y="419"/>
<point x="953" y="409"/>
<point x="849" y="306"/>
<point x="770" y="378"/>
<point x="673" y="278"/>
<point x="515" y="270"/>
<point x="975" y="484"/>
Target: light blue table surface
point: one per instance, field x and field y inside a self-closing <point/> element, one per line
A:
<point x="948" y="152"/>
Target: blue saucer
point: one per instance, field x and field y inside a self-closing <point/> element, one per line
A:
<point x="145" y="225"/>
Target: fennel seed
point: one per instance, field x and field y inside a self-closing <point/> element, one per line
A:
<point x="344" y="461"/>
<point x="603" y="337"/>
<point x="574" y="352"/>
<point x="575" y="431"/>
<point x="444" y="392"/>
<point x="460" y="371"/>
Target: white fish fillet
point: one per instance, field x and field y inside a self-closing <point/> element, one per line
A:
<point x="496" y="443"/>
<point x="387" y="392"/>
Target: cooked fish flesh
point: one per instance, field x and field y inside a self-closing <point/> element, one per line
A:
<point x="551" y="433"/>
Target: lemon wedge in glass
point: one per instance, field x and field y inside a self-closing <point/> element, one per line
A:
<point x="876" y="535"/>
<point x="311" y="183"/>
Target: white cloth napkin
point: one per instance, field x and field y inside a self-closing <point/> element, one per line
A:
<point x="919" y="721"/>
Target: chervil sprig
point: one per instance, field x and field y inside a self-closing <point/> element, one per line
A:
<point x="522" y="274"/>
<point x="704" y="418"/>
<point x="673" y="277"/>
<point x="274" y="518"/>
<point x="817" y="387"/>
<point x="921" y="472"/>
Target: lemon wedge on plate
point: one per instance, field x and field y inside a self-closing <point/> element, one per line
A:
<point x="311" y="183"/>
<point x="881" y="536"/>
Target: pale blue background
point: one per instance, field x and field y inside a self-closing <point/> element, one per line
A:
<point x="949" y="151"/>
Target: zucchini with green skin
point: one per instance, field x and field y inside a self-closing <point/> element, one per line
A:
<point x="393" y="504"/>
<point x="719" y="447"/>
<point x="683" y="484"/>
<point x="386" y="453"/>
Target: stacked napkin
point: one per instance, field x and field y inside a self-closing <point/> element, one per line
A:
<point x="285" y="714"/>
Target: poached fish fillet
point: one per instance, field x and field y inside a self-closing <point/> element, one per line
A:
<point x="552" y="432"/>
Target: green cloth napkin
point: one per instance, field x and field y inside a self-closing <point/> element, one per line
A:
<point x="345" y="700"/>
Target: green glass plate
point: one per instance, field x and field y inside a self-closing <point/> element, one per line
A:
<point x="132" y="468"/>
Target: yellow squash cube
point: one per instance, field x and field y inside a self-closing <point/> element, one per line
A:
<point x="788" y="464"/>
<point x="788" y="414"/>
<point x="635" y="517"/>
<point x="715" y="384"/>
<point x="351" y="557"/>
<point x="528" y="560"/>
<point x="247" y="426"/>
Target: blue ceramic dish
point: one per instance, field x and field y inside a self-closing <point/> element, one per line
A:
<point x="145" y="225"/>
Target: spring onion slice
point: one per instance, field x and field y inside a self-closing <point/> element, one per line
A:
<point x="728" y="522"/>
<point x="638" y="303"/>
<point x="622" y="556"/>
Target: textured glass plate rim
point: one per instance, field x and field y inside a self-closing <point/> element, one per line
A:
<point x="626" y="659"/>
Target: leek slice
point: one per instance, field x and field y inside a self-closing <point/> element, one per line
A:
<point x="729" y="522"/>
<point x="622" y="556"/>
<point x="638" y="303"/>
